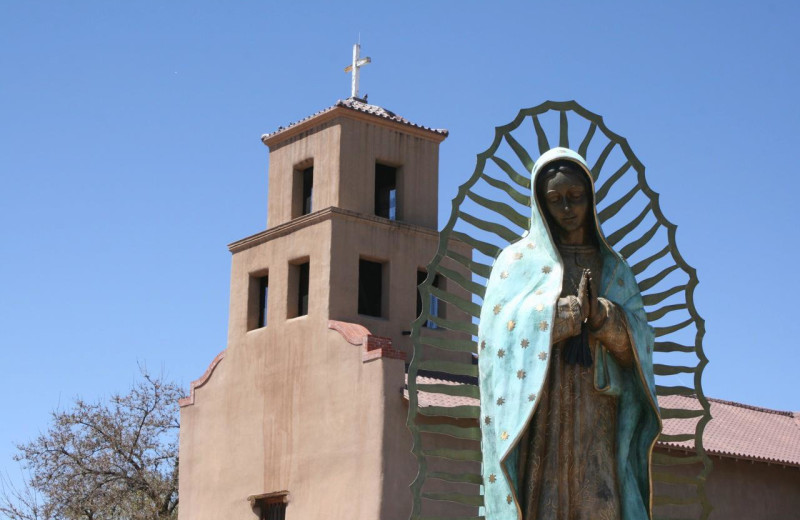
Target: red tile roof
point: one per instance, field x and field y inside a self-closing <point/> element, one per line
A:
<point x="742" y="431"/>
<point x="430" y="399"/>
<point x="736" y="430"/>
<point x="359" y="106"/>
<point x="448" y="401"/>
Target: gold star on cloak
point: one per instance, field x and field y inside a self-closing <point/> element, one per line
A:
<point x="500" y="401"/>
<point x="504" y="436"/>
<point x="539" y="292"/>
<point x="543" y="326"/>
<point x="539" y="307"/>
<point x="524" y="343"/>
<point x="546" y="269"/>
<point x="487" y="420"/>
<point x="531" y="245"/>
<point x="504" y="275"/>
<point x="492" y="478"/>
<point x="497" y="308"/>
<point x="517" y="256"/>
<point x="542" y="355"/>
<point x="511" y="325"/>
<point x="509" y="499"/>
<point x="532" y="397"/>
<point x="521" y="374"/>
<point x="501" y="353"/>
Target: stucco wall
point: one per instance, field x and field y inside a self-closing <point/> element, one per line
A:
<point x="741" y="489"/>
<point x="363" y="144"/>
<point x="292" y="406"/>
<point x="344" y="148"/>
<point x="405" y="249"/>
<point x="753" y="490"/>
<point x="320" y="146"/>
<point x="243" y="415"/>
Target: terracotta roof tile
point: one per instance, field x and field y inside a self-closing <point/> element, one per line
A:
<point x="364" y="107"/>
<point x="448" y="401"/>
<point x="742" y="431"/>
<point x="736" y="430"/>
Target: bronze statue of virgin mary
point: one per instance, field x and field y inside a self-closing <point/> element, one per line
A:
<point x="568" y="408"/>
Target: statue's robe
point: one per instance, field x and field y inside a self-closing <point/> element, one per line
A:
<point x="522" y="472"/>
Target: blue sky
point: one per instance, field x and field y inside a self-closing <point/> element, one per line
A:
<point x="130" y="157"/>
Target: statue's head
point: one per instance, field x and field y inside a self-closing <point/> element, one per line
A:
<point x="564" y="193"/>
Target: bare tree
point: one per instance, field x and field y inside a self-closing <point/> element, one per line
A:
<point x="22" y="503"/>
<point x="104" y="460"/>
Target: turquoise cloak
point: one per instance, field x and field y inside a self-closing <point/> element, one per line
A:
<point x="514" y="337"/>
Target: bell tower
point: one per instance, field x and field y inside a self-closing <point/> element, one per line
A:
<point x="372" y="176"/>
<point x="301" y="416"/>
<point x="349" y="149"/>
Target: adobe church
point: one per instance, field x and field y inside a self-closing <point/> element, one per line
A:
<point x="305" y="405"/>
<point x="303" y="416"/>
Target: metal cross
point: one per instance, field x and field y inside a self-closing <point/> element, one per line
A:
<point x="357" y="64"/>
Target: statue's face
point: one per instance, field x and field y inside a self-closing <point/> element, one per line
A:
<point x="566" y="200"/>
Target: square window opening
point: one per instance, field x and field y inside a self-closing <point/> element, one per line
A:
<point x="308" y="189"/>
<point x="273" y="511"/>
<point x="386" y="203"/>
<point x="302" y="189"/>
<point x="270" y="506"/>
<point x="372" y="298"/>
<point x="257" y="300"/>
<point x="297" y="305"/>
<point x="434" y="307"/>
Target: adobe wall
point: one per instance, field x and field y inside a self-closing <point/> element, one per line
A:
<point x="319" y="145"/>
<point x="405" y="249"/>
<point x="344" y="151"/>
<point x="737" y="489"/>
<point x="365" y="143"/>
<point x="290" y="407"/>
<point x="293" y="405"/>
<point x="753" y="490"/>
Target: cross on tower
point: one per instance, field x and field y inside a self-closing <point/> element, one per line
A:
<point x="358" y="62"/>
